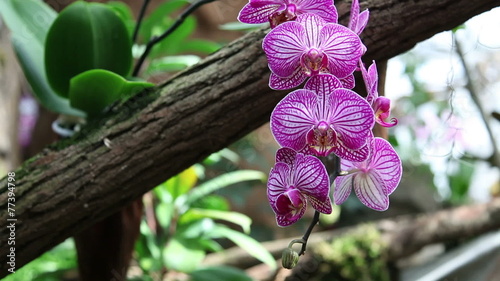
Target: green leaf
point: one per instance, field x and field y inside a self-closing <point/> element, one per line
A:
<point x="223" y="181"/>
<point x="212" y="202"/>
<point x="239" y="26"/>
<point x="181" y="183"/>
<point x="234" y="217"/>
<point x="124" y="12"/>
<point x="158" y="20"/>
<point x="93" y="90"/>
<point x="183" y="255"/>
<point x="171" y="63"/>
<point x="219" y="273"/>
<point x="29" y="22"/>
<point x="201" y="46"/>
<point x="86" y="36"/>
<point x="247" y="243"/>
<point x="174" y="43"/>
<point x="164" y="214"/>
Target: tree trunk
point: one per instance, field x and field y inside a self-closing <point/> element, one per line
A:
<point x="158" y="133"/>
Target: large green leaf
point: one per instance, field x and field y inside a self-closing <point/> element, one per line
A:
<point x="93" y="90"/>
<point x="29" y="21"/>
<point x="247" y="243"/>
<point x="183" y="255"/>
<point x="86" y="36"/>
<point x="237" y="218"/>
<point x="223" y="181"/>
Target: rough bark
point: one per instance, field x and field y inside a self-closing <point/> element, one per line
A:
<point x="158" y="133"/>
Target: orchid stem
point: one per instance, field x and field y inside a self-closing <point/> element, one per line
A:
<point x="156" y="39"/>
<point x="332" y="164"/>
<point x="308" y="232"/>
<point x="139" y="19"/>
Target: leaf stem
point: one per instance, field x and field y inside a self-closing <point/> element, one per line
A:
<point x="139" y="19"/>
<point x="154" y="40"/>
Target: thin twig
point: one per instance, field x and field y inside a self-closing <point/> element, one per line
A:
<point x="154" y="40"/>
<point x="495" y="158"/>
<point x="139" y="19"/>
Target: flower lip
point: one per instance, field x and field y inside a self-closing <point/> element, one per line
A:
<point x="314" y="61"/>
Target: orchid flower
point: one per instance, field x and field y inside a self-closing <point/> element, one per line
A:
<point x="295" y="179"/>
<point x="374" y="179"/>
<point x="358" y="21"/>
<point x="279" y="11"/>
<point x="381" y="105"/>
<point x="323" y="118"/>
<point x="307" y="47"/>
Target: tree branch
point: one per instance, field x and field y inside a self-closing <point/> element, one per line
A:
<point x="159" y="133"/>
<point x="402" y="236"/>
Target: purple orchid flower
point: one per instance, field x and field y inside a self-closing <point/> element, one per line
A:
<point x="358" y="21"/>
<point x="279" y="11"/>
<point x="307" y="47"/>
<point x="381" y="105"/>
<point x="374" y="179"/>
<point x="323" y="118"/>
<point x="295" y="179"/>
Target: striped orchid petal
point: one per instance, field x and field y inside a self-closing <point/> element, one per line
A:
<point x="279" y="11"/>
<point x="284" y="47"/>
<point x="293" y="117"/>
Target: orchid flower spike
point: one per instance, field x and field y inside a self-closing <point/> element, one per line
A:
<point x="293" y="181"/>
<point x="279" y="11"/>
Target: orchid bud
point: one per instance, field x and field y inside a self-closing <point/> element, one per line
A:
<point x="289" y="258"/>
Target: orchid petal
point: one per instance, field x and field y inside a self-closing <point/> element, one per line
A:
<point x="323" y="8"/>
<point x="324" y="207"/>
<point x="348" y="82"/>
<point x="323" y="84"/>
<point x="277" y="182"/>
<point x="343" y="48"/>
<point x="362" y="21"/>
<point x="279" y="83"/>
<point x="356" y="155"/>
<point x="312" y="25"/>
<point x="311" y="178"/>
<point x="351" y="117"/>
<point x="370" y="189"/>
<point x="292" y="215"/>
<point x="387" y="163"/>
<point x="293" y="117"/>
<point x="259" y="11"/>
<point x="284" y="46"/>
<point x="342" y="188"/>
<point x="286" y="155"/>
<point x="353" y="21"/>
